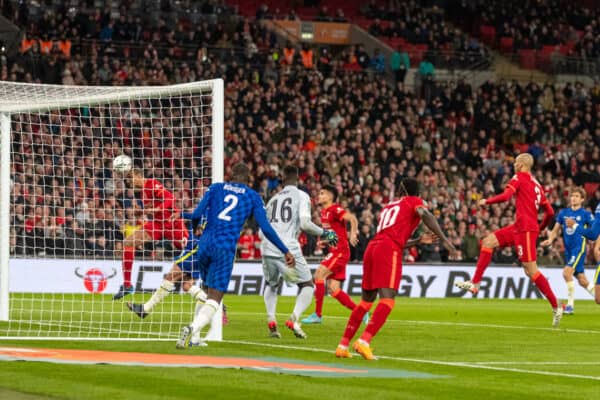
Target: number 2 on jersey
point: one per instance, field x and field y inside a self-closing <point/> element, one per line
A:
<point x="232" y="201"/>
<point x="388" y="217"/>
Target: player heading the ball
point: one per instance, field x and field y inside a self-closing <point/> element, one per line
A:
<point x="160" y="216"/>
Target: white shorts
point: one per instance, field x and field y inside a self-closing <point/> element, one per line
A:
<point x="274" y="268"/>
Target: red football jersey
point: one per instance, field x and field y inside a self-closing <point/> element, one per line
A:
<point x="332" y="218"/>
<point x="530" y="195"/>
<point x="399" y="219"/>
<point x="155" y="195"/>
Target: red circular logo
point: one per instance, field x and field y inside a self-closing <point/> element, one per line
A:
<point x="94" y="280"/>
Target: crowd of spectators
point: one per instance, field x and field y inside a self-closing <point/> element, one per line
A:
<point x="533" y="24"/>
<point x="421" y="29"/>
<point x="339" y="126"/>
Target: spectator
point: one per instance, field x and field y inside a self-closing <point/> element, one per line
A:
<point x="399" y="63"/>
<point x="378" y="62"/>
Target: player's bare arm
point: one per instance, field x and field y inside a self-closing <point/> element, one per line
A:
<point x="548" y="214"/>
<point x="502" y="197"/>
<point x="552" y="235"/>
<point x="425" y="238"/>
<point x="353" y="236"/>
<point x="430" y="221"/>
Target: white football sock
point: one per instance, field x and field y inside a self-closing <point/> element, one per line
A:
<point x="159" y="294"/>
<point x="303" y="301"/>
<point x="571" y="293"/>
<point x="196" y="334"/>
<point x="270" y="297"/>
<point x="198" y="294"/>
<point x="204" y="315"/>
<point x="590" y="289"/>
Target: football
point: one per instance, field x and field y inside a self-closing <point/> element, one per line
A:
<point x="122" y="164"/>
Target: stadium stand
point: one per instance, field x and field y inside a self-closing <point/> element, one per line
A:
<point x="339" y="124"/>
<point x="537" y="32"/>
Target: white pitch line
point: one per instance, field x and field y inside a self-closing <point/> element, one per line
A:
<point x="447" y="323"/>
<point x="423" y="361"/>
<point x="574" y="363"/>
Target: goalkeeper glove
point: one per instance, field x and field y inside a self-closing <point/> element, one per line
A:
<point x="330" y="237"/>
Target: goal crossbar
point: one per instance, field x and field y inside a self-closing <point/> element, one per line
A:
<point x="61" y="95"/>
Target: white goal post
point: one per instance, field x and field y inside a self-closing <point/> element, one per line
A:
<point x="56" y="145"/>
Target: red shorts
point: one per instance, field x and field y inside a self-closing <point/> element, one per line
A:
<point x="336" y="262"/>
<point x="175" y="231"/>
<point x="524" y="242"/>
<point x="382" y="265"/>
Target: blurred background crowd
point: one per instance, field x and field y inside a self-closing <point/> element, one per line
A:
<point x="333" y="112"/>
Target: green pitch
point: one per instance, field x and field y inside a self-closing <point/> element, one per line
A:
<point x="490" y="349"/>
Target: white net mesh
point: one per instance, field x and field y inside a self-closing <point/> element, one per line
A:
<point x="70" y="213"/>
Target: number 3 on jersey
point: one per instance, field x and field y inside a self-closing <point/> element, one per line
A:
<point x="388" y="217"/>
<point x="231" y="202"/>
<point x="538" y="197"/>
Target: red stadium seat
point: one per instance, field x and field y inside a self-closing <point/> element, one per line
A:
<point x="506" y="44"/>
<point x="488" y="34"/>
<point x="590" y="188"/>
<point x="527" y="59"/>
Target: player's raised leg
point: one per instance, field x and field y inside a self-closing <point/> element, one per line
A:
<point x="488" y="244"/>
<point x="166" y="287"/>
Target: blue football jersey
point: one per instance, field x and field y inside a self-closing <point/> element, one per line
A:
<point x="227" y="206"/>
<point x="583" y="218"/>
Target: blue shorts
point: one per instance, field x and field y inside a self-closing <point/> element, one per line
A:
<point x="576" y="258"/>
<point x="188" y="262"/>
<point x="215" y="265"/>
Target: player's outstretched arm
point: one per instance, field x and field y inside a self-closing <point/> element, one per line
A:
<point x="200" y="209"/>
<point x="501" y="198"/>
<point x="430" y="221"/>
<point x="552" y="235"/>
<point x="306" y="223"/>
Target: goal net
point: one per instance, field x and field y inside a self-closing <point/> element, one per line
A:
<point x="64" y="212"/>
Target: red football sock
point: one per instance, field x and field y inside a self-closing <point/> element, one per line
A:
<point x="542" y="283"/>
<point x="319" y="296"/>
<point x="354" y="321"/>
<point x="383" y="309"/>
<point x="344" y="299"/>
<point x="485" y="257"/>
<point x="128" y="257"/>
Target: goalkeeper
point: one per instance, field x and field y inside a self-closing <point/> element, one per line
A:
<point x="289" y="213"/>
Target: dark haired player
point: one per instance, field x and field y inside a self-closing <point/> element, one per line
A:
<point x="333" y="267"/>
<point x="382" y="264"/>
<point x="227" y="207"/>
<point x="159" y="205"/>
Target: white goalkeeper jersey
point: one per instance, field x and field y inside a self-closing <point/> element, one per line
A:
<point x="289" y="213"/>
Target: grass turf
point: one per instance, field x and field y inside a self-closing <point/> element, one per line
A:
<point x="496" y="349"/>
